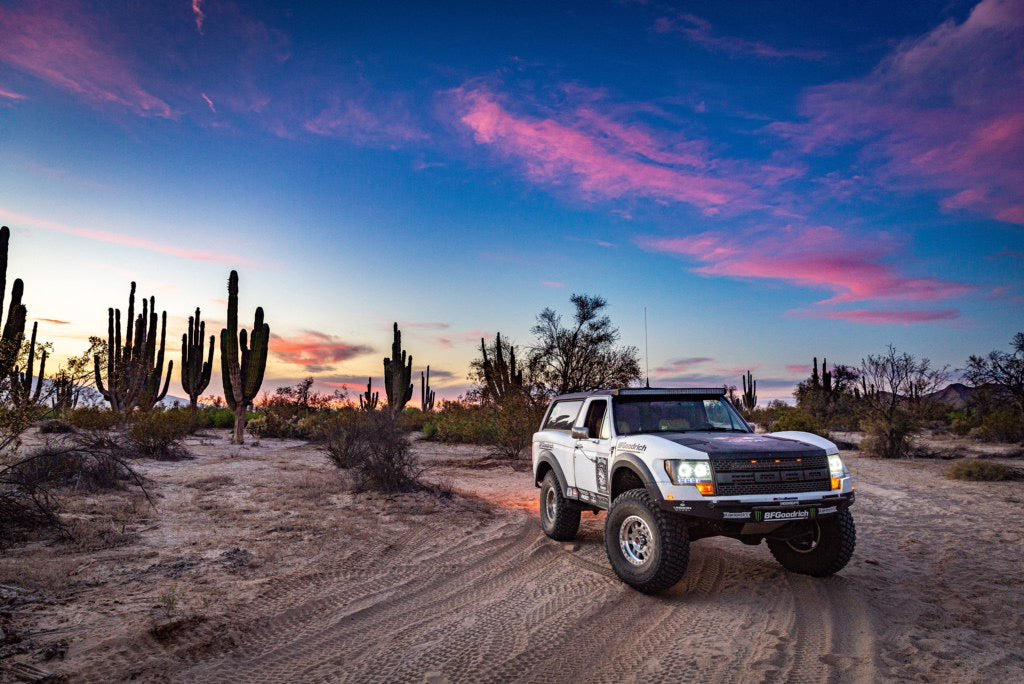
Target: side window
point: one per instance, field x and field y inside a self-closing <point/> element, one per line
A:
<point x="563" y="415"/>
<point x="597" y="421"/>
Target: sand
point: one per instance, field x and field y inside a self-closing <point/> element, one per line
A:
<point x="258" y="564"/>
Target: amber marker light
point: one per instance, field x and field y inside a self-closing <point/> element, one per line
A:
<point x="837" y="483"/>
<point x="706" y="488"/>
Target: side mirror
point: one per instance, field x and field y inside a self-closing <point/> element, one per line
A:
<point x="581" y="433"/>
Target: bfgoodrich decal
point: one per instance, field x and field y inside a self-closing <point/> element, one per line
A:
<point x="632" y="446"/>
<point x="774" y="516"/>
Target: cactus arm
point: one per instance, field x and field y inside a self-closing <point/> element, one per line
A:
<point x="226" y="371"/>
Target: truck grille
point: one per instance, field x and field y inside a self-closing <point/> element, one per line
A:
<point x="740" y="477"/>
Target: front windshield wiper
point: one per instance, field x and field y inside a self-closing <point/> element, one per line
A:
<point x="705" y="429"/>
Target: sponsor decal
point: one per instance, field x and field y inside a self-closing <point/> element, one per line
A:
<point x="683" y="507"/>
<point x="736" y="515"/>
<point x="773" y="516"/>
<point x="827" y="510"/>
<point x="601" y="466"/>
<point x="632" y="446"/>
<point x="545" y="445"/>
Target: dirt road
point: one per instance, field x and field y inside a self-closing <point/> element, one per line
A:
<point x="416" y="589"/>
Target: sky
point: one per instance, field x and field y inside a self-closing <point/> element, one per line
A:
<point x="772" y="181"/>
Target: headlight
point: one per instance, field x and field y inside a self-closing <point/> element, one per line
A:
<point x="835" y="466"/>
<point x="688" y="472"/>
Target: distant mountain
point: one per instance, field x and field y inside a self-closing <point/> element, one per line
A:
<point x="956" y="395"/>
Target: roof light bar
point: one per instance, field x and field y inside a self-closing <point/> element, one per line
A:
<point x="662" y="391"/>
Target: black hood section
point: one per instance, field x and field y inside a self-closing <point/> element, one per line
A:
<point x="742" y="445"/>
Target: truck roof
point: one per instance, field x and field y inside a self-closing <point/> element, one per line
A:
<point x="648" y="391"/>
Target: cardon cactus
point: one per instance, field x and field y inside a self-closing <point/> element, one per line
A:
<point x="397" y="375"/>
<point x="195" y="373"/>
<point x="14" y="327"/>
<point x="243" y="359"/>
<point x="22" y="381"/>
<point x="65" y="393"/>
<point x="368" y="400"/>
<point x="749" y="392"/>
<point x="134" y="369"/>
<point x="502" y="377"/>
<point x="426" y="394"/>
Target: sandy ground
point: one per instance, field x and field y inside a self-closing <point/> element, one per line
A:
<point x="258" y="565"/>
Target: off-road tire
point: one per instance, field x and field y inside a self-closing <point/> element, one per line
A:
<point x="670" y="544"/>
<point x="835" y="545"/>
<point x="565" y="523"/>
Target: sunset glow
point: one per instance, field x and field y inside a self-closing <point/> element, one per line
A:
<point x="772" y="182"/>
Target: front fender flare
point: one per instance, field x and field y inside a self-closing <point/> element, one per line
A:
<point x="549" y="458"/>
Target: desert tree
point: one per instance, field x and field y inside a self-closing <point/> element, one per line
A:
<point x="75" y="378"/>
<point x="1004" y="370"/>
<point x="895" y="387"/>
<point x="583" y="354"/>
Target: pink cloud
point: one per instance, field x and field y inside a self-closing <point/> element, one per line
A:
<point x="315" y="351"/>
<point x="598" y="157"/>
<point x="197" y="10"/>
<point x="854" y="269"/>
<point x="888" y="317"/>
<point x="16" y="218"/>
<point x="61" y="44"/>
<point x="798" y="369"/>
<point x="700" y="31"/>
<point x="364" y="123"/>
<point x="53" y="321"/>
<point x="10" y="95"/>
<point x="942" y="112"/>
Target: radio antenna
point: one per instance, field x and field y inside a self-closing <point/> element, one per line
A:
<point x="647" y="356"/>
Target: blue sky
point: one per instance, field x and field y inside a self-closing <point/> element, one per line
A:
<point x="773" y="181"/>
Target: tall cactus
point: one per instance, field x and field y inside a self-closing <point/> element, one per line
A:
<point x="134" y="370"/>
<point x="749" y="392"/>
<point x="397" y="375"/>
<point x="426" y="394"/>
<point x="65" y="393"/>
<point x="195" y="373"/>
<point x="501" y="378"/>
<point x="21" y="382"/>
<point x="14" y="327"/>
<point x="826" y="376"/>
<point x="368" y="400"/>
<point x="243" y="370"/>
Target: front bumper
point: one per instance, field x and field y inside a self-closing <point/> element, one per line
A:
<point x="768" y="511"/>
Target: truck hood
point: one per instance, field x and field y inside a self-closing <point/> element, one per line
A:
<point x="739" y="446"/>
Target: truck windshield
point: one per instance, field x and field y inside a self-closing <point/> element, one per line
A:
<point x="636" y="415"/>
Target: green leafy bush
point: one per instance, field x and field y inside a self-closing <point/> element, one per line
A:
<point x="888" y="437"/>
<point x="799" y="420"/>
<point x="979" y="470"/>
<point x="91" y="418"/>
<point x="460" y="422"/>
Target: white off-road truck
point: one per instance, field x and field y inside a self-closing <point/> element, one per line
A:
<point x="675" y="465"/>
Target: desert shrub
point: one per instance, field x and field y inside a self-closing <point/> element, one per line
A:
<point x="799" y="420"/>
<point x="159" y="434"/>
<point x="517" y="419"/>
<point x="888" y="437"/>
<point x="961" y="423"/>
<point x="82" y="461"/>
<point x="55" y="427"/>
<point x="94" y="418"/>
<point x="999" y="425"/>
<point x="373" y="447"/>
<point x="460" y="422"/>
<point x="980" y="470"/>
<point x="430" y="429"/>
<point x="414" y="420"/>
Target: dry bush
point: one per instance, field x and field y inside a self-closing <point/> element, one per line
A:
<point x="517" y="419"/>
<point x="980" y="470"/>
<point x="374" y="449"/>
<point x="159" y="434"/>
<point x="28" y="500"/>
<point x="55" y="427"/>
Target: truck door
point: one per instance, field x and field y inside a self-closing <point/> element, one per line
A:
<point x="590" y="457"/>
<point x="555" y="435"/>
